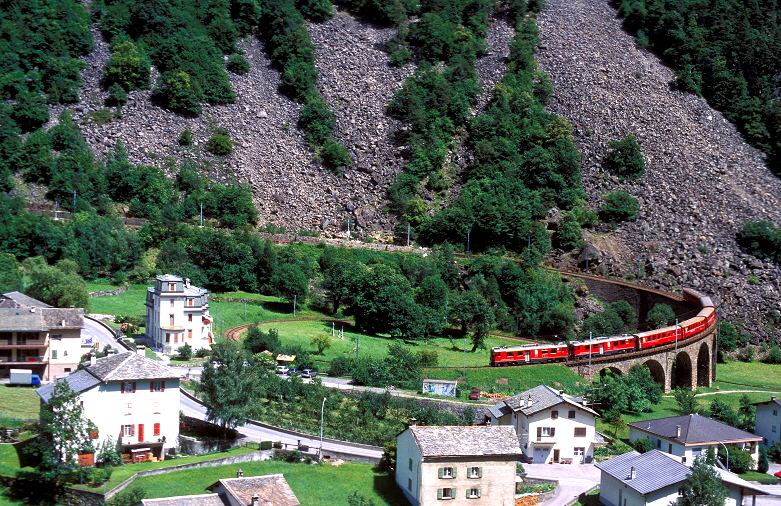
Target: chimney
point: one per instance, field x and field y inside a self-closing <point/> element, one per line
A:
<point x="772" y="397"/>
<point x="141" y="350"/>
<point x="677" y="431"/>
<point x="92" y="359"/>
<point x="239" y="474"/>
<point x="632" y="473"/>
<point x="561" y="392"/>
<point x="413" y="422"/>
<point x="255" y="500"/>
<point x="488" y="423"/>
<point x="187" y="282"/>
<point x="32" y="309"/>
<point x="529" y="400"/>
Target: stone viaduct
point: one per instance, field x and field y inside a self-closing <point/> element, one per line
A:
<point x="690" y="363"/>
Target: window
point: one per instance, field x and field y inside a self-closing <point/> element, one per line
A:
<point x="658" y="444"/>
<point x="156" y="408"/>
<point x="579" y="451"/>
<point x="546" y="432"/>
<point x="774" y="428"/>
<point x="775" y="412"/>
<point x="554" y="414"/>
<point x="669" y="448"/>
<point x="167" y="337"/>
<point x="446" y="493"/>
<point x="128" y="430"/>
<point x="172" y="302"/>
<point x="6" y="336"/>
<point x="410" y="464"/>
<point x="580" y="432"/>
<point x="56" y="337"/>
<point x="67" y="369"/>
<point x="65" y="353"/>
<point x="189" y="302"/>
<point x="54" y="353"/>
<point x="128" y="408"/>
<point x="171" y="319"/>
<point x="157" y="386"/>
<point x="156" y="431"/>
<point x="447" y="472"/>
<point x="475" y="472"/>
<point x="171" y="287"/>
<point x="571" y="414"/>
<point x="189" y="333"/>
<point x="409" y="483"/>
<point x="473" y="493"/>
<point x="128" y="387"/>
<point x="190" y="317"/>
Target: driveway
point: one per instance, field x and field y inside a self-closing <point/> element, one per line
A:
<point x="574" y="479"/>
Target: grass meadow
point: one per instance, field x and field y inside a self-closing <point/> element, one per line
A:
<point x="18" y="404"/>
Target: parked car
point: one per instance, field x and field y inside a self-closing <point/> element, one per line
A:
<point x="293" y="371"/>
<point x="282" y="369"/>
<point x="777" y="474"/>
<point x="474" y="395"/>
<point x="308" y="373"/>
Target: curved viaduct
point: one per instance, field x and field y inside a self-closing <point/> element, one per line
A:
<point x="689" y="364"/>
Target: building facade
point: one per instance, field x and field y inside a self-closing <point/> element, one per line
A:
<point x="551" y="425"/>
<point x="461" y="465"/>
<point x="768" y="421"/>
<point x="177" y="313"/>
<point x="132" y="400"/>
<point x="39" y="337"/>
<point x="689" y="436"/>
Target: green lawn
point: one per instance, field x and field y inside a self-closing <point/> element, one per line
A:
<point x="312" y="484"/>
<point x="129" y="303"/>
<point x="18" y="403"/>
<point x="590" y="499"/>
<point x="513" y="379"/>
<point x="755" y="374"/>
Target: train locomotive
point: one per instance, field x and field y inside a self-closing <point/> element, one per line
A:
<point x="609" y="345"/>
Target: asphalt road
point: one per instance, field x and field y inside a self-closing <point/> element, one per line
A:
<point x="100" y="333"/>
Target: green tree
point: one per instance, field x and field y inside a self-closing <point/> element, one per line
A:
<point x="763" y="464"/>
<point x="63" y="433"/>
<point x="703" y="486"/>
<point x="661" y="315"/>
<point x="472" y="310"/>
<point x="625" y="158"/>
<point x="185" y="352"/>
<point x="30" y="111"/>
<point x="643" y="444"/>
<point x="686" y="399"/>
<point x="613" y="417"/>
<point x="619" y="206"/>
<point x="10" y="273"/>
<point x="129" y="66"/>
<point x="226" y="383"/>
<point x="746" y="413"/>
<point x="58" y="285"/>
<point x="219" y="144"/>
<point x="129" y="497"/>
<point x="321" y="341"/>
<point x="177" y="91"/>
<point x="258" y="341"/>
<point x="722" y="412"/>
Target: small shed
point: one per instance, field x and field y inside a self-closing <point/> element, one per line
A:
<point x="440" y="387"/>
<point x="285" y="359"/>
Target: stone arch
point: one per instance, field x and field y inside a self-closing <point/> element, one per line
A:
<point x="681" y="372"/>
<point x="615" y="371"/>
<point x="657" y="372"/>
<point x="703" y="365"/>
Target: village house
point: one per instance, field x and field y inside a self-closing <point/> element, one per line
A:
<point x="38" y="337"/>
<point x="131" y="400"/>
<point x="463" y="465"/>
<point x="177" y="313"/>
<point x="271" y="489"/>
<point x="551" y="426"/>
<point x="655" y="478"/>
<point x="768" y="421"/>
<point x="689" y="436"/>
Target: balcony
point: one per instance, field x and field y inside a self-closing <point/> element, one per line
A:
<point x="23" y="360"/>
<point x="26" y="345"/>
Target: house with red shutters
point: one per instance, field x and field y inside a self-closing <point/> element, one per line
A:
<point x="132" y="400"/>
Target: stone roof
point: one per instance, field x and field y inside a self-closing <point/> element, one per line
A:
<point x="21" y="320"/>
<point x="735" y="480"/>
<point x="79" y="381"/>
<point x="654" y="470"/>
<point x="129" y="366"/>
<point x="499" y="410"/>
<point x="18" y="299"/>
<point x="543" y="397"/>
<point x="695" y="430"/>
<point x="271" y="489"/>
<point x="63" y="318"/>
<point x="467" y="441"/>
<point x="187" y="500"/>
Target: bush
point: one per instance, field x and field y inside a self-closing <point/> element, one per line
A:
<point x="238" y="64"/>
<point x="643" y="444"/>
<point x="186" y="138"/>
<point x="219" y="145"/>
<point x="341" y="366"/>
<point x="428" y="358"/>
<point x="177" y="91"/>
<point x="317" y="121"/>
<point x="625" y="159"/>
<point x="116" y="95"/>
<point x="762" y="464"/>
<point x="660" y="315"/>
<point x="265" y="445"/>
<point x="335" y="156"/>
<point x="774" y="452"/>
<point x="619" y="206"/>
<point x="746" y="354"/>
<point x="773" y="355"/>
<point x="185" y="352"/>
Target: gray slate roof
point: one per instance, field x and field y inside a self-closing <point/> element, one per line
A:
<point x="129" y="366"/>
<point x="18" y="299"/>
<point x="187" y="500"/>
<point x="79" y="381"/>
<point x="271" y="489"/>
<point x="654" y="470"/>
<point x="21" y="320"/>
<point x="695" y="430"/>
<point x="471" y="441"/>
<point x="543" y="397"/>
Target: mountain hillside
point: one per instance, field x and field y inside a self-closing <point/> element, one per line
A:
<point x="701" y="184"/>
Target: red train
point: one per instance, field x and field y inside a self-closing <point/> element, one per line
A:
<point x="600" y="346"/>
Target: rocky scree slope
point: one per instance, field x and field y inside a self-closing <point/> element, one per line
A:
<point x="702" y="180"/>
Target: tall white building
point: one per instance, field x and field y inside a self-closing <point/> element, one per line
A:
<point x="177" y="313"/>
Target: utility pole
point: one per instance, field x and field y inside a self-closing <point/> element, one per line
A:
<point x="468" y="240"/>
<point x="589" y="353"/>
<point x="464" y="355"/>
<point x="348" y="228"/>
<point x="356" y="344"/>
<point x="56" y="207"/>
<point x="245" y="308"/>
<point x="322" y="411"/>
<point x="408" y="235"/>
<point x="200" y="222"/>
<point x="294" y="305"/>
<point x="74" y="201"/>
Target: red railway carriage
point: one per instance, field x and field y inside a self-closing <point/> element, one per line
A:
<point x="658" y="337"/>
<point x="528" y="354"/>
<point x="603" y="345"/>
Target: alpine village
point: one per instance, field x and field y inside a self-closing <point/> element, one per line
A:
<point x="390" y="252"/>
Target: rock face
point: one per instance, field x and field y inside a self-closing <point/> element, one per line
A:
<point x="702" y="180"/>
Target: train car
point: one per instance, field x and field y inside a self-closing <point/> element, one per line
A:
<point x="602" y="346"/>
<point x="529" y="354"/>
<point x="658" y="337"/>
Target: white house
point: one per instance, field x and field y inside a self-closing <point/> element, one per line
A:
<point x="36" y="336"/>
<point x="655" y="478"/>
<point x="176" y="313"/>
<point x="132" y="400"/>
<point x="688" y="436"/>
<point x="768" y="421"/>
<point x="461" y="465"/>
<point x="552" y="426"/>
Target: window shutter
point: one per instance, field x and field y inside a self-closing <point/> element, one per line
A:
<point x="439" y="492"/>
<point x="467" y="494"/>
<point x="453" y="493"/>
<point x="479" y="493"/>
<point x="441" y="472"/>
<point x="123" y="387"/>
<point x="162" y="386"/>
<point x="552" y="431"/>
<point x="121" y="432"/>
<point x="157" y="429"/>
<point x="453" y="472"/>
<point x="151" y="386"/>
<point x="132" y="430"/>
<point x="134" y="387"/>
<point x="479" y="472"/>
<point x="539" y="432"/>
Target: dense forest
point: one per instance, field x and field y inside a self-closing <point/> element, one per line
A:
<point x="725" y="50"/>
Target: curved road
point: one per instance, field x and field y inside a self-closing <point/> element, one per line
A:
<point x="254" y="432"/>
